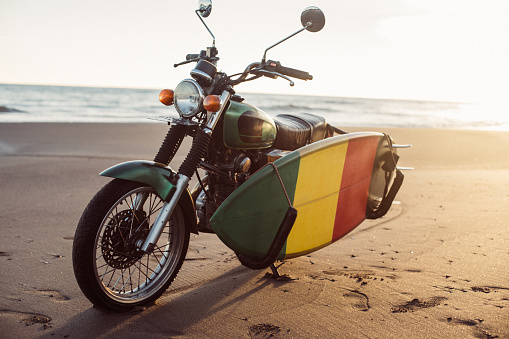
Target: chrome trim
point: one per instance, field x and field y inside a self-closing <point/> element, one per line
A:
<point x="174" y="120"/>
<point x="201" y="73"/>
<point x="405" y="168"/>
<point x="401" y="146"/>
<point x="214" y="116"/>
<point x="164" y="215"/>
<point x="139" y="201"/>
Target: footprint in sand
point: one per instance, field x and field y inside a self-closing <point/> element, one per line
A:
<point x="480" y="289"/>
<point x="26" y="318"/>
<point x="417" y="304"/>
<point x="264" y="331"/>
<point x="55" y="295"/>
<point x="359" y="301"/>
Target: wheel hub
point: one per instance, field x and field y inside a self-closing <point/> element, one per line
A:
<point x="120" y="237"/>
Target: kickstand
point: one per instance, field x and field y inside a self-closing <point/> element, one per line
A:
<point x="275" y="273"/>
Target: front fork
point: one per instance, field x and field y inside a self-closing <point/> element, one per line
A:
<point x="187" y="168"/>
<point x="164" y="215"/>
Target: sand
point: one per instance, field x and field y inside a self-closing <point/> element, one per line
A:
<point x="436" y="266"/>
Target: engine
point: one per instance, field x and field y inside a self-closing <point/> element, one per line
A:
<point x="231" y="168"/>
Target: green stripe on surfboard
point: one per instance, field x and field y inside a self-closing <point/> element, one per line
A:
<point x="249" y="219"/>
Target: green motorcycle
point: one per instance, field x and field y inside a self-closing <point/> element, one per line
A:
<point x="133" y="236"/>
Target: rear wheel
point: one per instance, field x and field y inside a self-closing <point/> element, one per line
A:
<point x="109" y="268"/>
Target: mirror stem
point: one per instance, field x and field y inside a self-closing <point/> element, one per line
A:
<point x="207" y="27"/>
<point x="288" y="37"/>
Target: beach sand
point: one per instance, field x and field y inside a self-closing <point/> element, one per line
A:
<point x="436" y="266"/>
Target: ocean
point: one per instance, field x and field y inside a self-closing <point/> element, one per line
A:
<point x="35" y="103"/>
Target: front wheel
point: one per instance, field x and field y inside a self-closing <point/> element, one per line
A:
<point x="109" y="268"/>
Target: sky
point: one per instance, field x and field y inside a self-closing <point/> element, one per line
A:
<point x="446" y="50"/>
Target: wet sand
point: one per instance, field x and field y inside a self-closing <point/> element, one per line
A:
<point x="436" y="266"/>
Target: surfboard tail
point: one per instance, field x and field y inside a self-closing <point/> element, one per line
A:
<point x="276" y="246"/>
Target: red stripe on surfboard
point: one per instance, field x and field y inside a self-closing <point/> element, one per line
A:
<point x="352" y="200"/>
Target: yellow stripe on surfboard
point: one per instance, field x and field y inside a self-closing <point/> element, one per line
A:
<point x="316" y="199"/>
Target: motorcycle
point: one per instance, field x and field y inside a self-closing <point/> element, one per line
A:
<point x="133" y="236"/>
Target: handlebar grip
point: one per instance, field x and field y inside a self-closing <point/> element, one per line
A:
<point x="294" y="73"/>
<point x="192" y="56"/>
<point x="291" y="72"/>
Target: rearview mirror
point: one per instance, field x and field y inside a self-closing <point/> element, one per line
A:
<point x="313" y="19"/>
<point x="204" y="7"/>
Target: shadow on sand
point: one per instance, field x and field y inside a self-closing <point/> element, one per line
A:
<point x="173" y="313"/>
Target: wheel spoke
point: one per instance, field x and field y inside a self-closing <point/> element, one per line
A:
<point x="134" y="216"/>
<point x="164" y="254"/>
<point x="156" y="209"/>
<point x="107" y="272"/>
<point x="141" y="271"/>
<point x="155" y="205"/>
<point x="128" y="280"/>
<point x="147" y="266"/>
<point x="116" y="282"/>
<point x="111" y="278"/>
<point x="105" y="264"/>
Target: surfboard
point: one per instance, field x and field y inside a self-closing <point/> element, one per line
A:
<point x="330" y="183"/>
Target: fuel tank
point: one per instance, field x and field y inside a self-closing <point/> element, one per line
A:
<point x="247" y="127"/>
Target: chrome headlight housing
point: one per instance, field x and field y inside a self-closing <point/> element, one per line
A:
<point x="188" y="98"/>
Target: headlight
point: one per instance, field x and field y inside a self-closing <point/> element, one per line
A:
<point x="188" y="98"/>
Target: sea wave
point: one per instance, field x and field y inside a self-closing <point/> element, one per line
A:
<point x="30" y="103"/>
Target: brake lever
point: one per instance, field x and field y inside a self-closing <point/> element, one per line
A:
<point x="264" y="72"/>
<point x="186" y="62"/>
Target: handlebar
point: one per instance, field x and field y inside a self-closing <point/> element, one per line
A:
<point x="271" y="69"/>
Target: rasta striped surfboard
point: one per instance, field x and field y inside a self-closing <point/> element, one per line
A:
<point x="330" y="183"/>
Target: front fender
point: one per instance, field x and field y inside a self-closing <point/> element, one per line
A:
<point x="157" y="176"/>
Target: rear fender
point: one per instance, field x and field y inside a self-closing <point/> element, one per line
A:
<point x="157" y="176"/>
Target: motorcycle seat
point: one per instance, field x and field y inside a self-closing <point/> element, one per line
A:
<point x="299" y="129"/>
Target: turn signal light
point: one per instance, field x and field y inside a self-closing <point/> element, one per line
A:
<point x="166" y="97"/>
<point x="212" y="103"/>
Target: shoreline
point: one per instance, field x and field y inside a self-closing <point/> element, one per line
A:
<point x="499" y="127"/>
<point x="435" y="266"/>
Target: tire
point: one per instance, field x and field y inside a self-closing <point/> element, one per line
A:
<point x="109" y="269"/>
